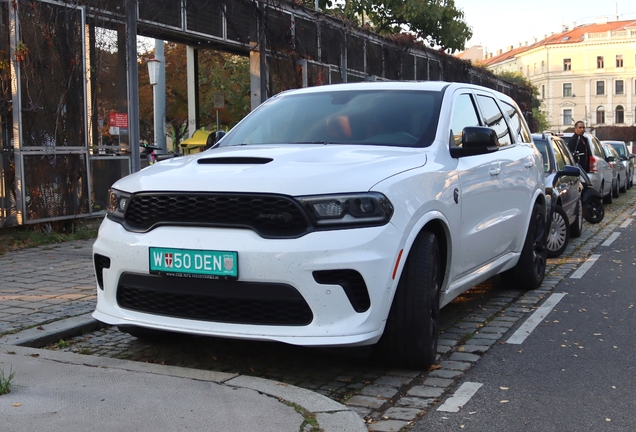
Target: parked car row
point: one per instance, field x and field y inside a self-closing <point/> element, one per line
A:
<point x="609" y="173"/>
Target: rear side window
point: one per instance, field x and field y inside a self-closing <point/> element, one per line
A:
<point x="494" y="118"/>
<point x="464" y="114"/>
<point x="567" y="156"/>
<point x="597" y="148"/>
<point x="518" y="125"/>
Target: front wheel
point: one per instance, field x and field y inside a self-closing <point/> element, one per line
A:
<point x="615" y="191"/>
<point x="559" y="233"/>
<point x="412" y="328"/>
<point x="530" y="269"/>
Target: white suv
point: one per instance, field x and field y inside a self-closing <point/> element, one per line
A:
<point x="337" y="215"/>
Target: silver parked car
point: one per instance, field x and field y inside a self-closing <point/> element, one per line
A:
<point x="620" y="171"/>
<point x="626" y="157"/>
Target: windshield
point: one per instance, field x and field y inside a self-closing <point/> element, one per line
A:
<point x="369" y="117"/>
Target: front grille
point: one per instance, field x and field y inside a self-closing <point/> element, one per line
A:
<point x="271" y="216"/>
<point x="225" y="301"/>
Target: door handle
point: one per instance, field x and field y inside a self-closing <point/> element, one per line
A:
<point x="495" y="171"/>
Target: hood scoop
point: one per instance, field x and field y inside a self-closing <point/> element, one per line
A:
<point x="235" y="161"/>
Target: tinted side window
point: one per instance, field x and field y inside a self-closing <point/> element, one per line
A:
<point x="519" y="126"/>
<point x="567" y="156"/>
<point x="494" y="118"/>
<point x="558" y="155"/>
<point x="464" y="114"/>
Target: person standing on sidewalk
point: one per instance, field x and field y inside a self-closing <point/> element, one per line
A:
<point x="579" y="146"/>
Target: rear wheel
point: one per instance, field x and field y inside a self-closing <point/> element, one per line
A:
<point x="559" y="233"/>
<point x="577" y="226"/>
<point x="530" y="269"/>
<point x="412" y="328"/>
<point x="623" y="189"/>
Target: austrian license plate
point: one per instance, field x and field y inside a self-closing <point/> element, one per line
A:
<point x="194" y="263"/>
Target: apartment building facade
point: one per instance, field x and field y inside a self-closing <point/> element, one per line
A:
<point x="586" y="72"/>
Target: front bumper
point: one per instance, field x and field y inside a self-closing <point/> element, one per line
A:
<point x="263" y="263"/>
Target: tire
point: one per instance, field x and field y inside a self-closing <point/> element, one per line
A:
<point x="412" y="328"/>
<point x="576" y="228"/>
<point x="559" y="234"/>
<point x="624" y="188"/>
<point x="615" y="191"/>
<point x="530" y="269"/>
<point x="593" y="210"/>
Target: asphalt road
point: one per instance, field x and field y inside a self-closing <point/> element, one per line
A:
<point x="574" y="372"/>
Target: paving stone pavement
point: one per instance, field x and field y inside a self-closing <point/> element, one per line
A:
<point x="45" y="284"/>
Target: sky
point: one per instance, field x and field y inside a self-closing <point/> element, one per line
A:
<point x="497" y="24"/>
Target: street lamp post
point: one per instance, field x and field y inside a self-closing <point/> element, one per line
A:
<point x="157" y="79"/>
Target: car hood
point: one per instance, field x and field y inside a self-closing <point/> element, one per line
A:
<point x="290" y="169"/>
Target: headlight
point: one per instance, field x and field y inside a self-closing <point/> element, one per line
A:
<point x="358" y="209"/>
<point x="117" y="204"/>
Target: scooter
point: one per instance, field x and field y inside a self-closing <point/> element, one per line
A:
<point x="593" y="208"/>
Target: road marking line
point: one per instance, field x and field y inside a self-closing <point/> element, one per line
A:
<point x="461" y="397"/>
<point x="529" y="325"/>
<point x="634" y="214"/>
<point x="626" y="223"/>
<point x="578" y="274"/>
<point x="611" y="239"/>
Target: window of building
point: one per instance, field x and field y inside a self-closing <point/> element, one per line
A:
<point x="542" y="66"/>
<point x="600" y="115"/>
<point x="619" y="87"/>
<point x="620" y="115"/>
<point x="534" y="69"/>
<point x="600" y="88"/>
<point x="567" y="117"/>
<point x="619" y="60"/>
<point x="567" y="89"/>
<point x="528" y="70"/>
<point x="600" y="62"/>
<point x="543" y="91"/>
<point x="567" y="64"/>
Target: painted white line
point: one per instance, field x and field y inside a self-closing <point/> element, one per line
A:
<point x="634" y="214"/>
<point x="460" y="398"/>
<point x="578" y="274"/>
<point x="527" y="327"/>
<point x="611" y="239"/>
<point x="626" y="223"/>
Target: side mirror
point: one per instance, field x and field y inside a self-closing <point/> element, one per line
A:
<point x="476" y="140"/>
<point x="568" y="170"/>
<point x="610" y="159"/>
<point x="214" y="138"/>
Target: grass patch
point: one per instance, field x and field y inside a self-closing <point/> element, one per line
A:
<point x="49" y="233"/>
<point x="310" y="424"/>
<point x="5" y="381"/>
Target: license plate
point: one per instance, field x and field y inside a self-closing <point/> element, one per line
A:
<point x="194" y="263"/>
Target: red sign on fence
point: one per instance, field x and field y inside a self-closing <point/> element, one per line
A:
<point x="119" y="120"/>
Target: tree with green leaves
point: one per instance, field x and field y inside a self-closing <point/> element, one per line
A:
<point x="438" y="22"/>
<point x="541" y="122"/>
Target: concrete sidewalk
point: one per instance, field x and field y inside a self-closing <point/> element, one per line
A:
<point x="47" y="294"/>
